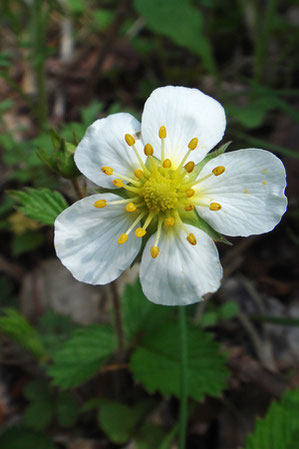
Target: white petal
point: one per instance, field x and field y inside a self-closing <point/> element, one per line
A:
<point x="104" y="145"/>
<point x="182" y="273"/>
<point x="86" y="240"/>
<point x="250" y="191"/>
<point x="186" y="113"/>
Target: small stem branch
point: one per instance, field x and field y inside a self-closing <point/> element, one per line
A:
<point x="184" y="386"/>
<point x="77" y="189"/>
<point x="117" y="318"/>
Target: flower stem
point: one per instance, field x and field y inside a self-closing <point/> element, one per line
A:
<point x="183" y="379"/>
<point x="117" y="318"/>
<point x="77" y="188"/>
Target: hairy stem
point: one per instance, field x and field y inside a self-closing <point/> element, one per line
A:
<point x="117" y="318"/>
<point x="184" y="386"/>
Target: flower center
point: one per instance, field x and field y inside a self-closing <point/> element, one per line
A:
<point x="160" y="193"/>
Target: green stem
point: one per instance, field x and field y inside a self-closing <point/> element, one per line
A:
<point x="39" y="55"/>
<point x="184" y="386"/>
<point x="263" y="40"/>
<point x="118" y="319"/>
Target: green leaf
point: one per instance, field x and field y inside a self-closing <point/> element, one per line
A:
<point x="119" y="421"/>
<point x="139" y="314"/>
<point x="67" y="410"/>
<point x="82" y="355"/>
<point x="150" y="437"/>
<point x="18" y="329"/>
<point x="40" y="204"/>
<point x="39" y="413"/>
<point x="280" y="428"/>
<point x="22" y="438"/>
<point x="165" y="17"/>
<point x="156" y="362"/>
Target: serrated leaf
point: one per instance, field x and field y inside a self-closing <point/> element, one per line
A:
<point x="40" y="204"/>
<point x="119" y="421"/>
<point x="280" y="428"/>
<point x="82" y="355"/>
<point x="67" y="409"/>
<point x="139" y="314"/>
<point x="18" y="329"/>
<point x="39" y="414"/>
<point x="156" y="363"/>
<point x="166" y="18"/>
<point x="22" y="438"/>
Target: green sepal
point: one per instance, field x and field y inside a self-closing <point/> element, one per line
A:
<point x="119" y="192"/>
<point x="209" y="157"/>
<point x="192" y="218"/>
<point x="61" y="160"/>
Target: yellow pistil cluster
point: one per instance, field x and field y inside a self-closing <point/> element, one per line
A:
<point x="159" y="193"/>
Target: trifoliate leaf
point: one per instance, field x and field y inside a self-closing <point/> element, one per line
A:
<point x="280" y="428"/>
<point x="82" y="355"/>
<point x="156" y="362"/>
<point x="119" y="421"/>
<point x="139" y="314"/>
<point x="40" y="204"/>
<point x="165" y="17"/>
<point x="18" y="329"/>
<point x="22" y="438"/>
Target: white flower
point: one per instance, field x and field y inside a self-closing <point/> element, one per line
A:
<point x="170" y="195"/>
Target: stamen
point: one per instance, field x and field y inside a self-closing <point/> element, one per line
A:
<point x="122" y="239"/>
<point x="193" y="143"/>
<point x="190" y="207"/>
<point x="130" y="207"/>
<point x="189" y="167"/>
<point x="148" y="150"/>
<point x="128" y="200"/>
<point x="218" y="170"/>
<point x="160" y="223"/>
<point x="167" y="163"/>
<point x="189" y="193"/>
<point x="138" y="173"/>
<point x="191" y="239"/>
<point x="169" y="221"/>
<point x="162" y="132"/>
<point x="130" y="140"/>
<point x="154" y="252"/>
<point x="100" y="204"/>
<point x="118" y="182"/>
<point x="215" y="206"/>
<point x="140" y="232"/>
<point x="107" y="170"/>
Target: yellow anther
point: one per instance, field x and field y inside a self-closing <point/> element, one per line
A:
<point x="189" y="207"/>
<point x="148" y="150"/>
<point x="193" y="143"/>
<point x="140" y="232"/>
<point x="122" y="239"/>
<point x="100" y="204"/>
<point x="264" y="182"/>
<point x="162" y="134"/>
<point x="215" y="206"/>
<point x="138" y="173"/>
<point x="129" y="139"/>
<point x="191" y="239"/>
<point x="107" y="170"/>
<point x="154" y="251"/>
<point x="118" y="182"/>
<point x="130" y="207"/>
<point x="169" y="221"/>
<point x="218" y="170"/>
<point x="189" y="166"/>
<point x="167" y="163"/>
<point x="189" y="193"/>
